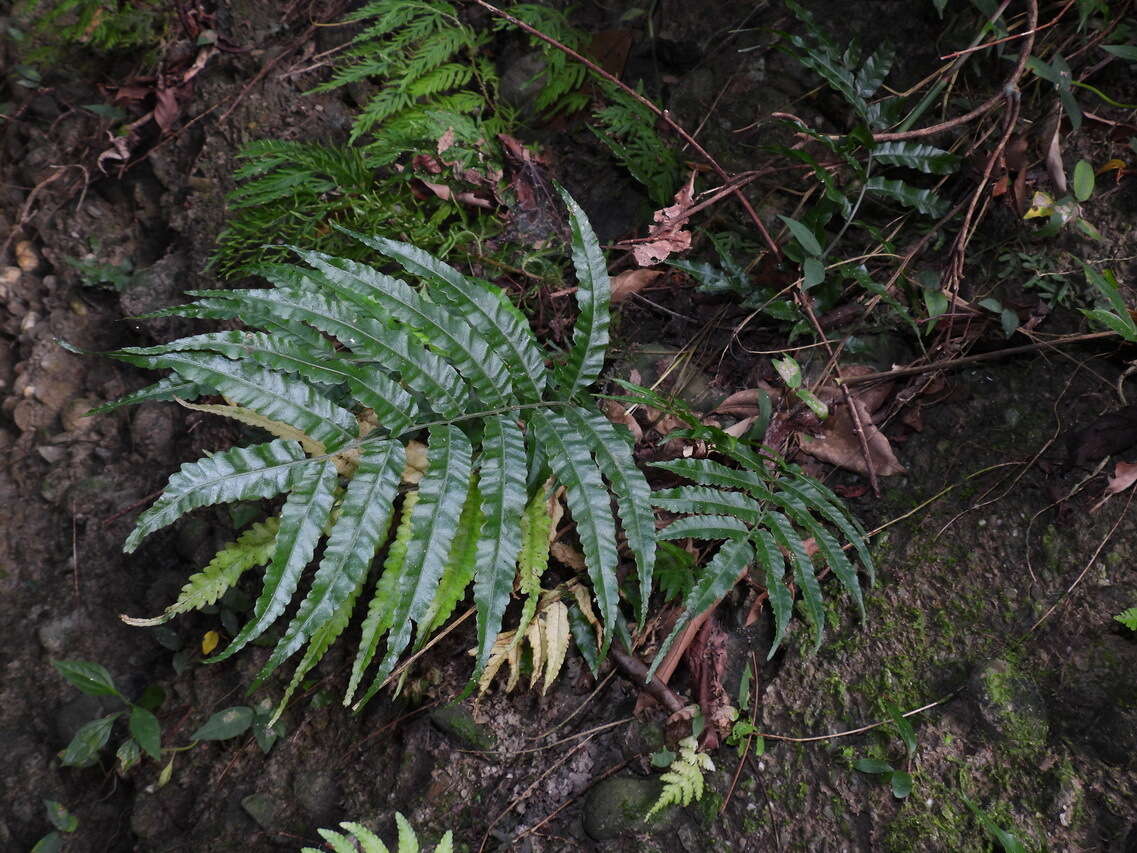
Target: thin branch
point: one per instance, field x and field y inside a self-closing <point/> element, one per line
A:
<point x="664" y="115"/>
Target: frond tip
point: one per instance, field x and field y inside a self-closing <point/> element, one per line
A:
<point x="683" y="781"/>
<point x="360" y="839"/>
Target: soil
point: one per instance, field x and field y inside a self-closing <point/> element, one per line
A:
<point x="1034" y="683"/>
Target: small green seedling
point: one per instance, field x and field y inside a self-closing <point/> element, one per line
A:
<point x="899" y="780"/>
<point x="64" y="822"/>
<point x="790" y="371"/>
<point x="1128" y="618"/>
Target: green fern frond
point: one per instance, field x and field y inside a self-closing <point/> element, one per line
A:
<point x="359" y="363"/>
<point x="360" y="839"/>
<point x="683" y="781"/>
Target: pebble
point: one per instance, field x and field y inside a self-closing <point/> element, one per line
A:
<point x="27" y="258"/>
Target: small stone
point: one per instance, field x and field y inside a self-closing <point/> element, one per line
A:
<point x="456" y="721"/>
<point x="27" y="258"/>
<point x="262" y="809"/>
<point x="74" y="415"/>
<point x="29" y="321"/>
<point x="618" y="805"/>
<point x="56" y="635"/>
<point x="53" y="453"/>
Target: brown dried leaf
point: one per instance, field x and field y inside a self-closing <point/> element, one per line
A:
<point x="1124" y="476"/>
<point x="632" y="281"/>
<point x="838" y="443"/>
<point x="667" y="235"/>
<point x="617" y="414"/>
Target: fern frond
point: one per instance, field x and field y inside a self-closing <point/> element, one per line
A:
<point x="683" y="781"/>
<point x="594" y="291"/>
<point x="590" y="505"/>
<point x="301" y="524"/>
<point x="360" y="839"/>
<point x="359" y="531"/>
<point x="238" y="474"/>
<point x="502" y="480"/>
<point x="252" y="548"/>
<point x="493" y="316"/>
<point x="434" y="521"/>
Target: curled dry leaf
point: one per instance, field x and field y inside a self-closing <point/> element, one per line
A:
<point x="617" y="414"/>
<point x="838" y="444"/>
<point x="667" y="235"/>
<point x="630" y="282"/>
<point x="1124" y="476"/>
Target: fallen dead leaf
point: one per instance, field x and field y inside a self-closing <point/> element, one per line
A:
<point x="1124" y="476"/>
<point x="838" y="443"/>
<point x="667" y="235"/>
<point x="617" y="414"/>
<point x="632" y="281"/>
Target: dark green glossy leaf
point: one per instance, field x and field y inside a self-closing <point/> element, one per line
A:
<point x="145" y="728"/>
<point x="92" y="678"/>
<point x="593" y="293"/>
<point x="225" y="725"/>
<point x="926" y="202"/>
<point x="238" y="474"/>
<point x="501" y="481"/>
<point x="91" y="737"/>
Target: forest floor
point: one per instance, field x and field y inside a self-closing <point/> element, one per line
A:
<point x="993" y="610"/>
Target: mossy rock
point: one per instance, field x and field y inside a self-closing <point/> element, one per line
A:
<point x="618" y="805"/>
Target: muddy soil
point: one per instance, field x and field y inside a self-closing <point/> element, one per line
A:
<point x="1035" y="691"/>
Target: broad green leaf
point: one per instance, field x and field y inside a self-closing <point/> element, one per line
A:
<point x="612" y="447"/>
<point x="925" y="201"/>
<point x="804" y="236"/>
<point x="486" y="309"/>
<point x="238" y="474"/>
<point x="128" y="755"/>
<point x="1083" y="180"/>
<point x="790" y="372"/>
<point x="591" y="507"/>
<point x="302" y="521"/>
<point x="813" y="272"/>
<point x="145" y="728"/>
<point x="872" y="765"/>
<point x="593" y="293"/>
<point x="916" y="155"/>
<point x="717" y="578"/>
<point x="442" y="493"/>
<point x="364" y="515"/>
<point x="901" y="782"/>
<point x="501" y="481"/>
<point x="1127" y="52"/>
<point x="226" y="724"/>
<point x="50" y="843"/>
<point x="92" y="678"/>
<point x="91" y="737"/>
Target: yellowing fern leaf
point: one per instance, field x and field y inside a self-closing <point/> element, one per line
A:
<point x="248" y="416"/>
<point x="547" y="636"/>
<point x="683" y="781"/>
<point x="254" y="547"/>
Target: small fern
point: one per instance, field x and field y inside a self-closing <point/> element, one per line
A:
<point x="350" y="365"/>
<point x="683" y="781"/>
<point x="360" y="839"/>
<point x="762" y="517"/>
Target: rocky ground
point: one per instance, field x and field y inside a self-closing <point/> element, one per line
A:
<point x="1030" y="693"/>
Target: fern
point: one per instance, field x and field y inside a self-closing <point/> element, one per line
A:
<point x="359" y="363"/>
<point x="683" y="781"/>
<point x="360" y="839"/>
<point x="763" y="512"/>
